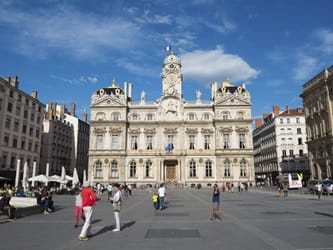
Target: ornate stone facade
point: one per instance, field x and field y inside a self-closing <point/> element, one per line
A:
<point x="318" y="104"/>
<point x="171" y="139"/>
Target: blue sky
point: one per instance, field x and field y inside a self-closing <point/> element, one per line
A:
<point x="68" y="49"/>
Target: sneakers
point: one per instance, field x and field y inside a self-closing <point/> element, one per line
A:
<point x="46" y="212"/>
<point x="84" y="238"/>
<point x="76" y="225"/>
<point x="116" y="230"/>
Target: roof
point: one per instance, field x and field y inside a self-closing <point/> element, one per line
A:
<point x="293" y="112"/>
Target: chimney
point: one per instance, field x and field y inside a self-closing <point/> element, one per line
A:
<point x="62" y="111"/>
<point x="8" y="79"/>
<point x="130" y="88"/>
<point x="14" y="82"/>
<point x="243" y="85"/>
<point x="258" y="123"/>
<point x="34" y="94"/>
<point x="287" y="109"/>
<point x="276" y="110"/>
<point x="73" y="106"/>
<point x="265" y="115"/>
<point x="84" y="116"/>
<point x="125" y="89"/>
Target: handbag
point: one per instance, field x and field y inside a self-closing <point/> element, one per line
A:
<point x="117" y="206"/>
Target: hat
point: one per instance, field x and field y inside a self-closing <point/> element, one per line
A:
<point x="86" y="184"/>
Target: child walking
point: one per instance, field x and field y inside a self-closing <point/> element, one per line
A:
<point x="78" y="212"/>
<point x="155" y="200"/>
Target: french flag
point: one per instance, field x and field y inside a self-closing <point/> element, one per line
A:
<point x="167" y="48"/>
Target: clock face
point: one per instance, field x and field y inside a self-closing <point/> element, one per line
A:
<point x="171" y="90"/>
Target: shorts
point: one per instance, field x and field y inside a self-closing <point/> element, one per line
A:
<point x="216" y="205"/>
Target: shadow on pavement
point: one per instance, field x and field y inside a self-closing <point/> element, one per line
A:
<point x="109" y="228"/>
<point x="95" y="221"/>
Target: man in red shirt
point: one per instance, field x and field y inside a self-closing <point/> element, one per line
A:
<point x="88" y="201"/>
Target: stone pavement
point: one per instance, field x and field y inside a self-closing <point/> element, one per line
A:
<point x="252" y="220"/>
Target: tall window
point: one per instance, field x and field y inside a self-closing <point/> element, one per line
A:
<point x="191" y="117"/>
<point x="6" y="140"/>
<point x="209" y="169"/>
<point x="243" y="168"/>
<point x="226" y="141"/>
<point x="133" y="169"/>
<point x="241" y="140"/>
<point x="115" y="142"/>
<point x="149" y="117"/>
<point x="134" y="142"/>
<point x="16" y="125"/>
<point x="7" y="124"/>
<point x="206" y="116"/>
<point x="149" y="142"/>
<point x="98" y="169"/>
<point x="227" y="169"/>
<point x="298" y="120"/>
<point x="299" y="131"/>
<point x="116" y="116"/>
<point x="288" y="120"/>
<point x="25" y="114"/>
<point x="193" y="170"/>
<point x="284" y="153"/>
<point x="192" y="140"/>
<point x="135" y="117"/>
<point x="148" y="169"/>
<point x="18" y="110"/>
<point x="10" y="107"/>
<point x="99" y="142"/>
<point x="114" y="169"/>
<point x="301" y="152"/>
<point x="170" y="139"/>
<point x="300" y="141"/>
<point x="291" y="152"/>
<point x="225" y="116"/>
<point x="207" y="142"/>
<point x="281" y="120"/>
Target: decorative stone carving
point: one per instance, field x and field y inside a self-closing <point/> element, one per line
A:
<point x="225" y="129"/>
<point x="115" y="130"/>
<point x="100" y="130"/>
<point x="134" y="131"/>
<point x="170" y="131"/>
<point x="149" y="131"/>
<point x="191" y="131"/>
<point x="207" y="131"/>
<point x="242" y="129"/>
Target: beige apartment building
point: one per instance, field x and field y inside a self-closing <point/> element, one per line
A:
<point x="171" y="139"/>
<point x="318" y="103"/>
<point x="20" y="127"/>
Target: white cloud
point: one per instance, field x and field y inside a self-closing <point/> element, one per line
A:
<point x="82" y="34"/>
<point x="223" y="27"/>
<point x="326" y="39"/>
<point x="150" y="18"/>
<point x="215" y="65"/>
<point x="305" y="67"/>
<point x="141" y="70"/>
<point x="77" y="81"/>
<point x="180" y="40"/>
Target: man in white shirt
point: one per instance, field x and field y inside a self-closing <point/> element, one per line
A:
<point x="161" y="196"/>
<point x="319" y="189"/>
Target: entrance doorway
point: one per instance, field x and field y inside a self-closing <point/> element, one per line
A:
<point x="170" y="170"/>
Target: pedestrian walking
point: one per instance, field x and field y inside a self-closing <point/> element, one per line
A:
<point x="117" y="202"/>
<point x="280" y="189"/>
<point x="285" y="190"/>
<point x="88" y="201"/>
<point x="217" y="211"/>
<point x="319" y="189"/>
<point x="161" y="196"/>
<point x="129" y="187"/>
<point x="78" y="211"/>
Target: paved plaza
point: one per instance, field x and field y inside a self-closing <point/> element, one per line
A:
<point x="252" y="220"/>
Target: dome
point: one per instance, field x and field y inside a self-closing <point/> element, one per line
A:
<point x="111" y="90"/>
<point x="172" y="59"/>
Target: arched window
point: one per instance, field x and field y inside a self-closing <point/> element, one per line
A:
<point x="240" y="115"/>
<point x="98" y="169"/>
<point x="209" y="172"/>
<point x="227" y="169"/>
<point x="133" y="169"/>
<point x="243" y="167"/>
<point x="193" y="169"/>
<point x="148" y="169"/>
<point x="114" y="169"/>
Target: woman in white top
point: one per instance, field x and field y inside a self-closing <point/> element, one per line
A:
<point x="116" y="201"/>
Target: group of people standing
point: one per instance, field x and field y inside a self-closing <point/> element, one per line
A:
<point x="87" y="199"/>
<point x="159" y="197"/>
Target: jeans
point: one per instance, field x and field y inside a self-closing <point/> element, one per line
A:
<point x="86" y="227"/>
<point x="46" y="204"/>
<point x="161" y="199"/>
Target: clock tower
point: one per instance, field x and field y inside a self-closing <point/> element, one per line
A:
<point x="172" y="77"/>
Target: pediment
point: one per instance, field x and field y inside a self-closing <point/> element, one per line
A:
<point x="134" y="131"/>
<point x="225" y="129"/>
<point x="231" y="100"/>
<point x="242" y="129"/>
<point x="108" y="101"/>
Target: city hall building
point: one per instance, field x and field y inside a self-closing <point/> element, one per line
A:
<point x="171" y="139"/>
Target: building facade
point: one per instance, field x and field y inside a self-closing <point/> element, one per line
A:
<point x="20" y="127"/>
<point x="65" y="140"/>
<point x="171" y="139"/>
<point x="280" y="144"/>
<point x="318" y="104"/>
